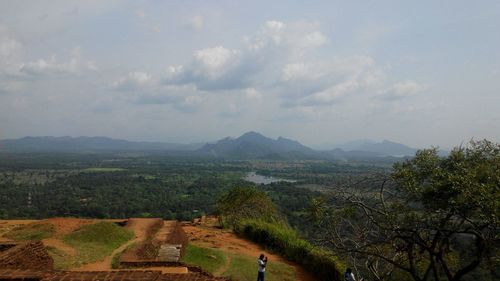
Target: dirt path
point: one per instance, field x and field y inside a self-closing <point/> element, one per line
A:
<point x="225" y="267"/>
<point x="227" y="241"/>
<point x="60" y="245"/>
<point x="63" y="226"/>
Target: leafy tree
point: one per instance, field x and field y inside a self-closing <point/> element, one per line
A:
<point x="431" y="218"/>
<point x="245" y="203"/>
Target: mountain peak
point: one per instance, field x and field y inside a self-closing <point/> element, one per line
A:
<point x="385" y="147"/>
<point x="255" y="145"/>
<point x="252" y="134"/>
<point x="253" y="137"/>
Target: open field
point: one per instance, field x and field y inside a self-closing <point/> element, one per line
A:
<point x="93" y="245"/>
<point x="237" y="257"/>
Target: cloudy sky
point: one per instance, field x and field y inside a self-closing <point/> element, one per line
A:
<point x="419" y="72"/>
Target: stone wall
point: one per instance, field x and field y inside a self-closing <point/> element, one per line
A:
<point x="29" y="255"/>
<point x="121" y="275"/>
<point x="163" y="246"/>
<point x="179" y="237"/>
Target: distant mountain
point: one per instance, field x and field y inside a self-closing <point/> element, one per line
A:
<point x="384" y="148"/>
<point x="253" y="145"/>
<point x="87" y="144"/>
<point x="355" y="144"/>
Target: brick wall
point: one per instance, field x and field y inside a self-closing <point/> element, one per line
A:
<point x="179" y="237"/>
<point x="121" y="275"/>
<point x="29" y="255"/>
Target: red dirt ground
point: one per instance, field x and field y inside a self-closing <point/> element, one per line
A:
<point x="226" y="240"/>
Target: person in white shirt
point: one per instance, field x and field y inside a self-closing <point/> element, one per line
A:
<point x="261" y="262"/>
<point x="349" y="276"/>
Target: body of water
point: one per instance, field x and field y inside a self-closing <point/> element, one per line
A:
<point x="259" y="179"/>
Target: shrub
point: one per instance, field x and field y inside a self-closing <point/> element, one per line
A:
<point x="284" y="240"/>
<point x="242" y="203"/>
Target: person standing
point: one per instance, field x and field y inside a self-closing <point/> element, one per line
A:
<point x="261" y="262"/>
<point x="349" y="276"/>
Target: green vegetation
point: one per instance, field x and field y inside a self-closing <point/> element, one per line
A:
<point x="252" y="214"/>
<point x="34" y="231"/>
<point x="245" y="203"/>
<point x="62" y="261"/>
<point x="244" y="268"/>
<point x="87" y="185"/>
<point x="432" y="218"/>
<point x="285" y="241"/>
<point x="424" y="191"/>
<point x="102" y="170"/>
<point x="210" y="260"/>
<point x="238" y="267"/>
<point x="96" y="241"/>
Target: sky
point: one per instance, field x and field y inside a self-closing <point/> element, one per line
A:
<point x="423" y="73"/>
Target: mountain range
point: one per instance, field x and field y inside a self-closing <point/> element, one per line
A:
<point x="251" y="145"/>
<point x="384" y="147"/>
<point x="255" y="145"/>
<point x="87" y="144"/>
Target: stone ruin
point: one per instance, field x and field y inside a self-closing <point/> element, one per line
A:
<point x="164" y="246"/>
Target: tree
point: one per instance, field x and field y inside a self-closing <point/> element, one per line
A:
<point x="245" y="203"/>
<point x="431" y="218"/>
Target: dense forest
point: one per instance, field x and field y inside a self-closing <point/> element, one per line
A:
<point x="39" y="185"/>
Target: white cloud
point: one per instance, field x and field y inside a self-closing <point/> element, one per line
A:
<point x="294" y="38"/>
<point x="327" y="81"/>
<point x="402" y="90"/>
<point x="281" y="59"/>
<point x="220" y="68"/>
<point x="331" y="94"/>
<point x="11" y="51"/>
<point x="16" y="72"/>
<point x="296" y="71"/>
<point x="406" y="88"/>
<point x="13" y="62"/>
<point x="8" y="46"/>
<point x="213" y="63"/>
<point x="133" y="81"/>
<point x="214" y="68"/>
<point x="314" y="39"/>
<point x="52" y="66"/>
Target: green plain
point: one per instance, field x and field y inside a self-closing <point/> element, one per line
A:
<point x="94" y="242"/>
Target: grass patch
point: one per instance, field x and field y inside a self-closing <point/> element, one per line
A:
<point x="284" y="240"/>
<point x="102" y="170"/>
<point x="244" y="268"/>
<point x="94" y="242"/>
<point x="37" y="231"/>
<point x="115" y="261"/>
<point x="280" y="271"/>
<point x="209" y="260"/>
<point x="241" y="268"/>
<point x="62" y="261"/>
